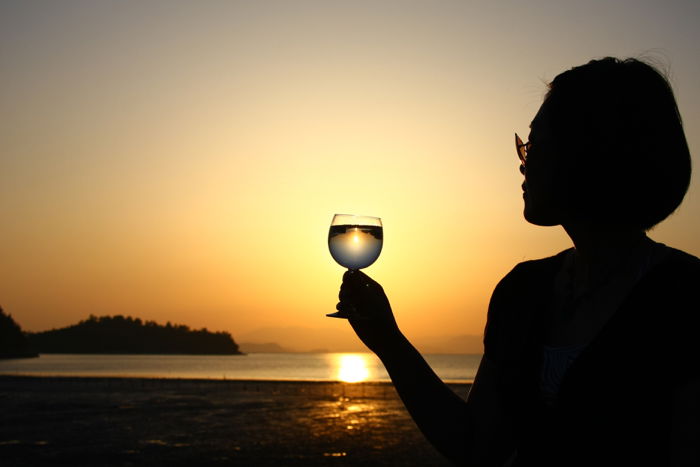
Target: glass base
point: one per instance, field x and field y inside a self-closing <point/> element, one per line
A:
<point x="337" y="314"/>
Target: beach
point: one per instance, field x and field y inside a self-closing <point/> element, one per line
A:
<point x="158" y="422"/>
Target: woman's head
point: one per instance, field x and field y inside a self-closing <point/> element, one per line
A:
<point x="617" y="135"/>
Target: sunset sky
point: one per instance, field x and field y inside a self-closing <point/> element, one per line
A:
<point x="181" y="161"/>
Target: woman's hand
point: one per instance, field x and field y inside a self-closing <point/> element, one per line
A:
<point x="368" y="310"/>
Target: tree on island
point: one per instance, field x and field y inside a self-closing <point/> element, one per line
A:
<point x="13" y="342"/>
<point x="126" y="335"/>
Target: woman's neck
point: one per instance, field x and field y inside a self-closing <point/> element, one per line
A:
<point x="601" y="249"/>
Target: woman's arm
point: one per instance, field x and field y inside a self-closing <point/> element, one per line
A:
<point x="473" y="432"/>
<point x="440" y="414"/>
<point x="476" y="432"/>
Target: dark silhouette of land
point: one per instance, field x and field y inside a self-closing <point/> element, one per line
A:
<point x="13" y="342"/>
<point x="126" y="335"/>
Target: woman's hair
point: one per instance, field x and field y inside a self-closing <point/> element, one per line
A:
<point x="618" y="125"/>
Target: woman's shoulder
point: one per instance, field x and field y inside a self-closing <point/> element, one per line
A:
<point x="671" y="300"/>
<point x="681" y="260"/>
<point x="514" y="305"/>
<point x="676" y="267"/>
<point x="527" y="280"/>
<point x="535" y="269"/>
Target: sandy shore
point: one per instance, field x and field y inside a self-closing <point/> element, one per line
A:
<point x="159" y="422"/>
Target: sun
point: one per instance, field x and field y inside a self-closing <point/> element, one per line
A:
<point x="355" y="237"/>
<point x="352" y="368"/>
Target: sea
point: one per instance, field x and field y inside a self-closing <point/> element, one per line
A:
<point x="346" y="367"/>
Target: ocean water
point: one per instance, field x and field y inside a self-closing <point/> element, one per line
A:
<point x="349" y="367"/>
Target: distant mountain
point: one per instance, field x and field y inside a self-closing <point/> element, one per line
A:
<point x="13" y="342"/>
<point x="267" y="347"/>
<point x="302" y="339"/>
<point x="127" y="335"/>
<point x="343" y="339"/>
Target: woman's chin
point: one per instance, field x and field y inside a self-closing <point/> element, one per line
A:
<point x="539" y="218"/>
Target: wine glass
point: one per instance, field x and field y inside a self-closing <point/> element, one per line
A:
<point x="355" y="243"/>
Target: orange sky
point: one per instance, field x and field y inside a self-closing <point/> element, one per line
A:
<point x="181" y="161"/>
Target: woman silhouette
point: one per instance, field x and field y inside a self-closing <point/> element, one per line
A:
<point x="591" y="356"/>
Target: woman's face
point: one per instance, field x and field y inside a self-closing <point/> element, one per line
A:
<point x="545" y="176"/>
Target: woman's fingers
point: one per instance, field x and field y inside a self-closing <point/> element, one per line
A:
<point x="356" y="295"/>
<point x="354" y="288"/>
<point x="357" y="284"/>
<point x="357" y="279"/>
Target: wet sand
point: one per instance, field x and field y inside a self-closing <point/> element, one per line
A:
<point x="159" y="422"/>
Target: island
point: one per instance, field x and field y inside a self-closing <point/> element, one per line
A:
<point x="126" y="335"/>
<point x="13" y="342"/>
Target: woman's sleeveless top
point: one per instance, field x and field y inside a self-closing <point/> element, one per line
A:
<point x="614" y="399"/>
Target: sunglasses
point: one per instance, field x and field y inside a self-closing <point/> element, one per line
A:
<point x="522" y="149"/>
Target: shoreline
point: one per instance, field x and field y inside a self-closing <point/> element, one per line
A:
<point x="119" y="421"/>
<point x="78" y="377"/>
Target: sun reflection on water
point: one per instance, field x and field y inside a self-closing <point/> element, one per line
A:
<point x="351" y="368"/>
